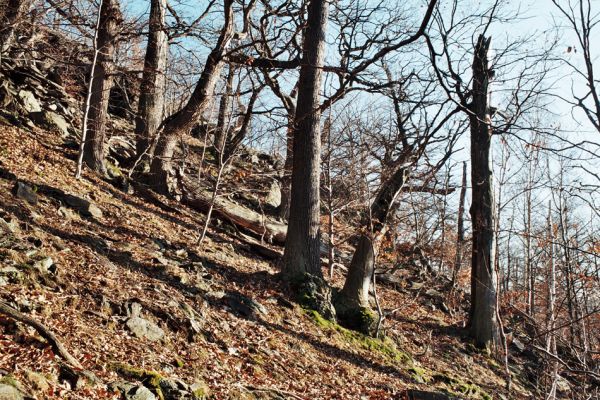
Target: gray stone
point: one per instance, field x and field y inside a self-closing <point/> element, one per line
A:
<point x="10" y="274"/>
<point x="563" y="385"/>
<point x="174" y="389"/>
<point x="52" y="121"/>
<point x="26" y="192"/>
<point x="38" y="381"/>
<point x="139" y="393"/>
<point x="8" y="392"/>
<point x="144" y="329"/>
<point x="44" y="265"/>
<point x="29" y="101"/>
<point x="273" y="197"/>
<point x="85" y="207"/>
<point x="244" y="306"/>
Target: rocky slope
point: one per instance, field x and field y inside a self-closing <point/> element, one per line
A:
<point x="117" y="275"/>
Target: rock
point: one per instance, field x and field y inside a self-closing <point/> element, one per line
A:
<point x="85" y="207"/>
<point x="273" y="197"/>
<point x="200" y="390"/>
<point x="518" y="345"/>
<point x="131" y="391"/>
<point x="144" y="329"/>
<point x="139" y="393"/>
<point x="38" y="381"/>
<point x="8" y="392"/>
<point x="29" y="101"/>
<point x="244" y="306"/>
<point x="174" y="389"/>
<point x="563" y="385"/>
<point x="45" y="265"/>
<point x="25" y="192"/>
<point x="51" y="120"/>
<point x="10" y="274"/>
<point x="421" y="395"/>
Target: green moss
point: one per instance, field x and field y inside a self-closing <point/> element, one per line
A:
<point x="461" y="388"/>
<point x="150" y="379"/>
<point x="178" y="362"/>
<point x="200" y="390"/>
<point x="421" y="375"/>
<point x="385" y="346"/>
<point x="113" y="171"/>
<point x="11" y="381"/>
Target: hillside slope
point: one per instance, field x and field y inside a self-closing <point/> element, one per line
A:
<point x="215" y="316"/>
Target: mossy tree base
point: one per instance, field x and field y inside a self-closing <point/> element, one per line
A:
<point x="355" y="316"/>
<point x="313" y="293"/>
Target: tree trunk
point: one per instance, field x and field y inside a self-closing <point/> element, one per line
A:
<point x="460" y="228"/>
<point x="483" y="321"/>
<point x="222" y="129"/>
<point x="152" y="96"/>
<point x="94" y="148"/>
<point x="352" y="303"/>
<point x="183" y="121"/>
<point x="302" y="248"/>
<point x="10" y="13"/>
<point x="283" y="211"/>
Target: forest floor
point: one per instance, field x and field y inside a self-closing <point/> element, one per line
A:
<point x="226" y="322"/>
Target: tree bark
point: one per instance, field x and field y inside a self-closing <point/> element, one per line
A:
<point x="483" y="321"/>
<point x="152" y="96"/>
<point x="94" y="148"/>
<point x="283" y="211"/>
<point x="302" y="248"/>
<point x="183" y="121"/>
<point x="10" y="13"/>
<point x="222" y="129"/>
<point x="352" y="303"/>
<point x="460" y="228"/>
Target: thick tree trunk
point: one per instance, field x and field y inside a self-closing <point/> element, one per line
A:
<point x="183" y="121"/>
<point x="94" y="150"/>
<point x="483" y="322"/>
<point x="302" y="248"/>
<point x="152" y="96"/>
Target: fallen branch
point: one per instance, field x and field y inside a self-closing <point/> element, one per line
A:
<point x="243" y="217"/>
<point x="43" y="331"/>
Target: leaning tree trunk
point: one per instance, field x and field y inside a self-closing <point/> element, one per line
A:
<point x="483" y="322"/>
<point x="302" y="247"/>
<point x="352" y="303"/>
<point x="183" y="121"/>
<point x="152" y="88"/>
<point x="94" y="150"/>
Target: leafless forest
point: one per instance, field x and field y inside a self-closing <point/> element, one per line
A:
<point x="387" y="199"/>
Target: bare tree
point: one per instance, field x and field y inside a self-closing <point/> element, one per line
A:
<point x="303" y="242"/>
<point x="152" y="88"/>
<point x="183" y="120"/>
<point x="582" y="19"/>
<point x="483" y="321"/>
<point x="93" y="148"/>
